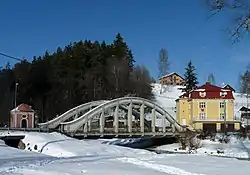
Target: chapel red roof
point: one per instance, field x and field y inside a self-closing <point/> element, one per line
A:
<point x="24" y="108"/>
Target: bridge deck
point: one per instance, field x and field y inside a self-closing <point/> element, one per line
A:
<point x="123" y="135"/>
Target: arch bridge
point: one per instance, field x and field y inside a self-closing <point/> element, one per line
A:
<point x="121" y="117"/>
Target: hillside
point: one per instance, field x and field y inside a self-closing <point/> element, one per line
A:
<point x="167" y="98"/>
<point x="170" y="93"/>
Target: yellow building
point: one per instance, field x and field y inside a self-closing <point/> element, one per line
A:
<point x="208" y="108"/>
<point x="172" y="79"/>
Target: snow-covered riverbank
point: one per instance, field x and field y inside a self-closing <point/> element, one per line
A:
<point x="63" y="155"/>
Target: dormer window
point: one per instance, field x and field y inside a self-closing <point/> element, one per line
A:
<point x="202" y="94"/>
<point x="223" y="94"/>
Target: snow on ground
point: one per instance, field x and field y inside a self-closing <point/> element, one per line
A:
<point x="167" y="165"/>
<point x="236" y="148"/>
<point x="59" y="145"/>
<point x="75" y="157"/>
<point x="167" y="98"/>
<point x="120" y="165"/>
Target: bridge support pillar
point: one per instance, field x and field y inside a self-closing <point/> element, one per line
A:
<point x="89" y="125"/>
<point x="102" y="122"/>
<point x="130" y="117"/>
<point x="173" y="128"/>
<point x="116" y="119"/>
<point x="153" y="119"/>
<point x="85" y="126"/>
<point x="142" y="118"/>
<point x="164" y="123"/>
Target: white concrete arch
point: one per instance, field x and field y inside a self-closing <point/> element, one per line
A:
<point x="52" y="124"/>
<point x="73" y="126"/>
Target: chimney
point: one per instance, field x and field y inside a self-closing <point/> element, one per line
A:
<point x="208" y="83"/>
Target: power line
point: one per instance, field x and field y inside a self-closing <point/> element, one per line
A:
<point x="11" y="57"/>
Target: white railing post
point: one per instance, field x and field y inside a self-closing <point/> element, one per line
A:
<point x="102" y="122"/>
<point x="116" y="119"/>
<point x="164" y="123"/>
<point x="153" y="120"/>
<point x="142" y="118"/>
<point x="130" y="117"/>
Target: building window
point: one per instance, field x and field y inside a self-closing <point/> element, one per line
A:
<point x="174" y="79"/>
<point x="222" y="104"/>
<point x="202" y="116"/>
<point x="222" y="116"/>
<point x="202" y="105"/>
<point x="223" y="94"/>
<point x="202" y="94"/>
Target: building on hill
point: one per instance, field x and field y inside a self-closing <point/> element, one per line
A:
<point x="172" y="79"/>
<point x="208" y="108"/>
<point x="23" y="116"/>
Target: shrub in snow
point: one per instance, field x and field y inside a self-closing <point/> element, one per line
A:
<point x="193" y="142"/>
<point x="220" y="151"/>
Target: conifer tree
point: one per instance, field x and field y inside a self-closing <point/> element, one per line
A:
<point x="72" y="75"/>
<point x="190" y="77"/>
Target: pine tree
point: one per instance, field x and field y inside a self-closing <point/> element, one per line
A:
<point x="190" y="77"/>
<point x="75" y="74"/>
<point x="122" y="50"/>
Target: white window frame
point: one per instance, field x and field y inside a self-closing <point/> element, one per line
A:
<point x="202" y="105"/>
<point x="202" y="116"/>
<point x="222" y="105"/>
<point x="222" y="116"/>
<point x="202" y="94"/>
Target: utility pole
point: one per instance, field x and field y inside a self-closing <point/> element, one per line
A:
<point x="225" y="118"/>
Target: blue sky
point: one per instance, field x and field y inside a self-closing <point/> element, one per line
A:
<point x="28" y="28"/>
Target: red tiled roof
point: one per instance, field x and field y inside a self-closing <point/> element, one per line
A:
<point x="229" y="87"/>
<point x="209" y="91"/>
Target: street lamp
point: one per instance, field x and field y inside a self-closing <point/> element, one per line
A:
<point x="16" y="92"/>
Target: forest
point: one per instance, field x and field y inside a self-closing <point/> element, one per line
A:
<point x="80" y="72"/>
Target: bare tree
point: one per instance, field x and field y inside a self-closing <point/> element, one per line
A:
<point x="163" y="63"/>
<point x="241" y="8"/>
<point x="245" y="82"/>
<point x="211" y="78"/>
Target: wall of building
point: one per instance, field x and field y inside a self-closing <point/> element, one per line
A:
<point x="212" y="109"/>
<point x="183" y="116"/>
<point x="172" y="79"/>
<point x="16" y="119"/>
<point x="189" y="112"/>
